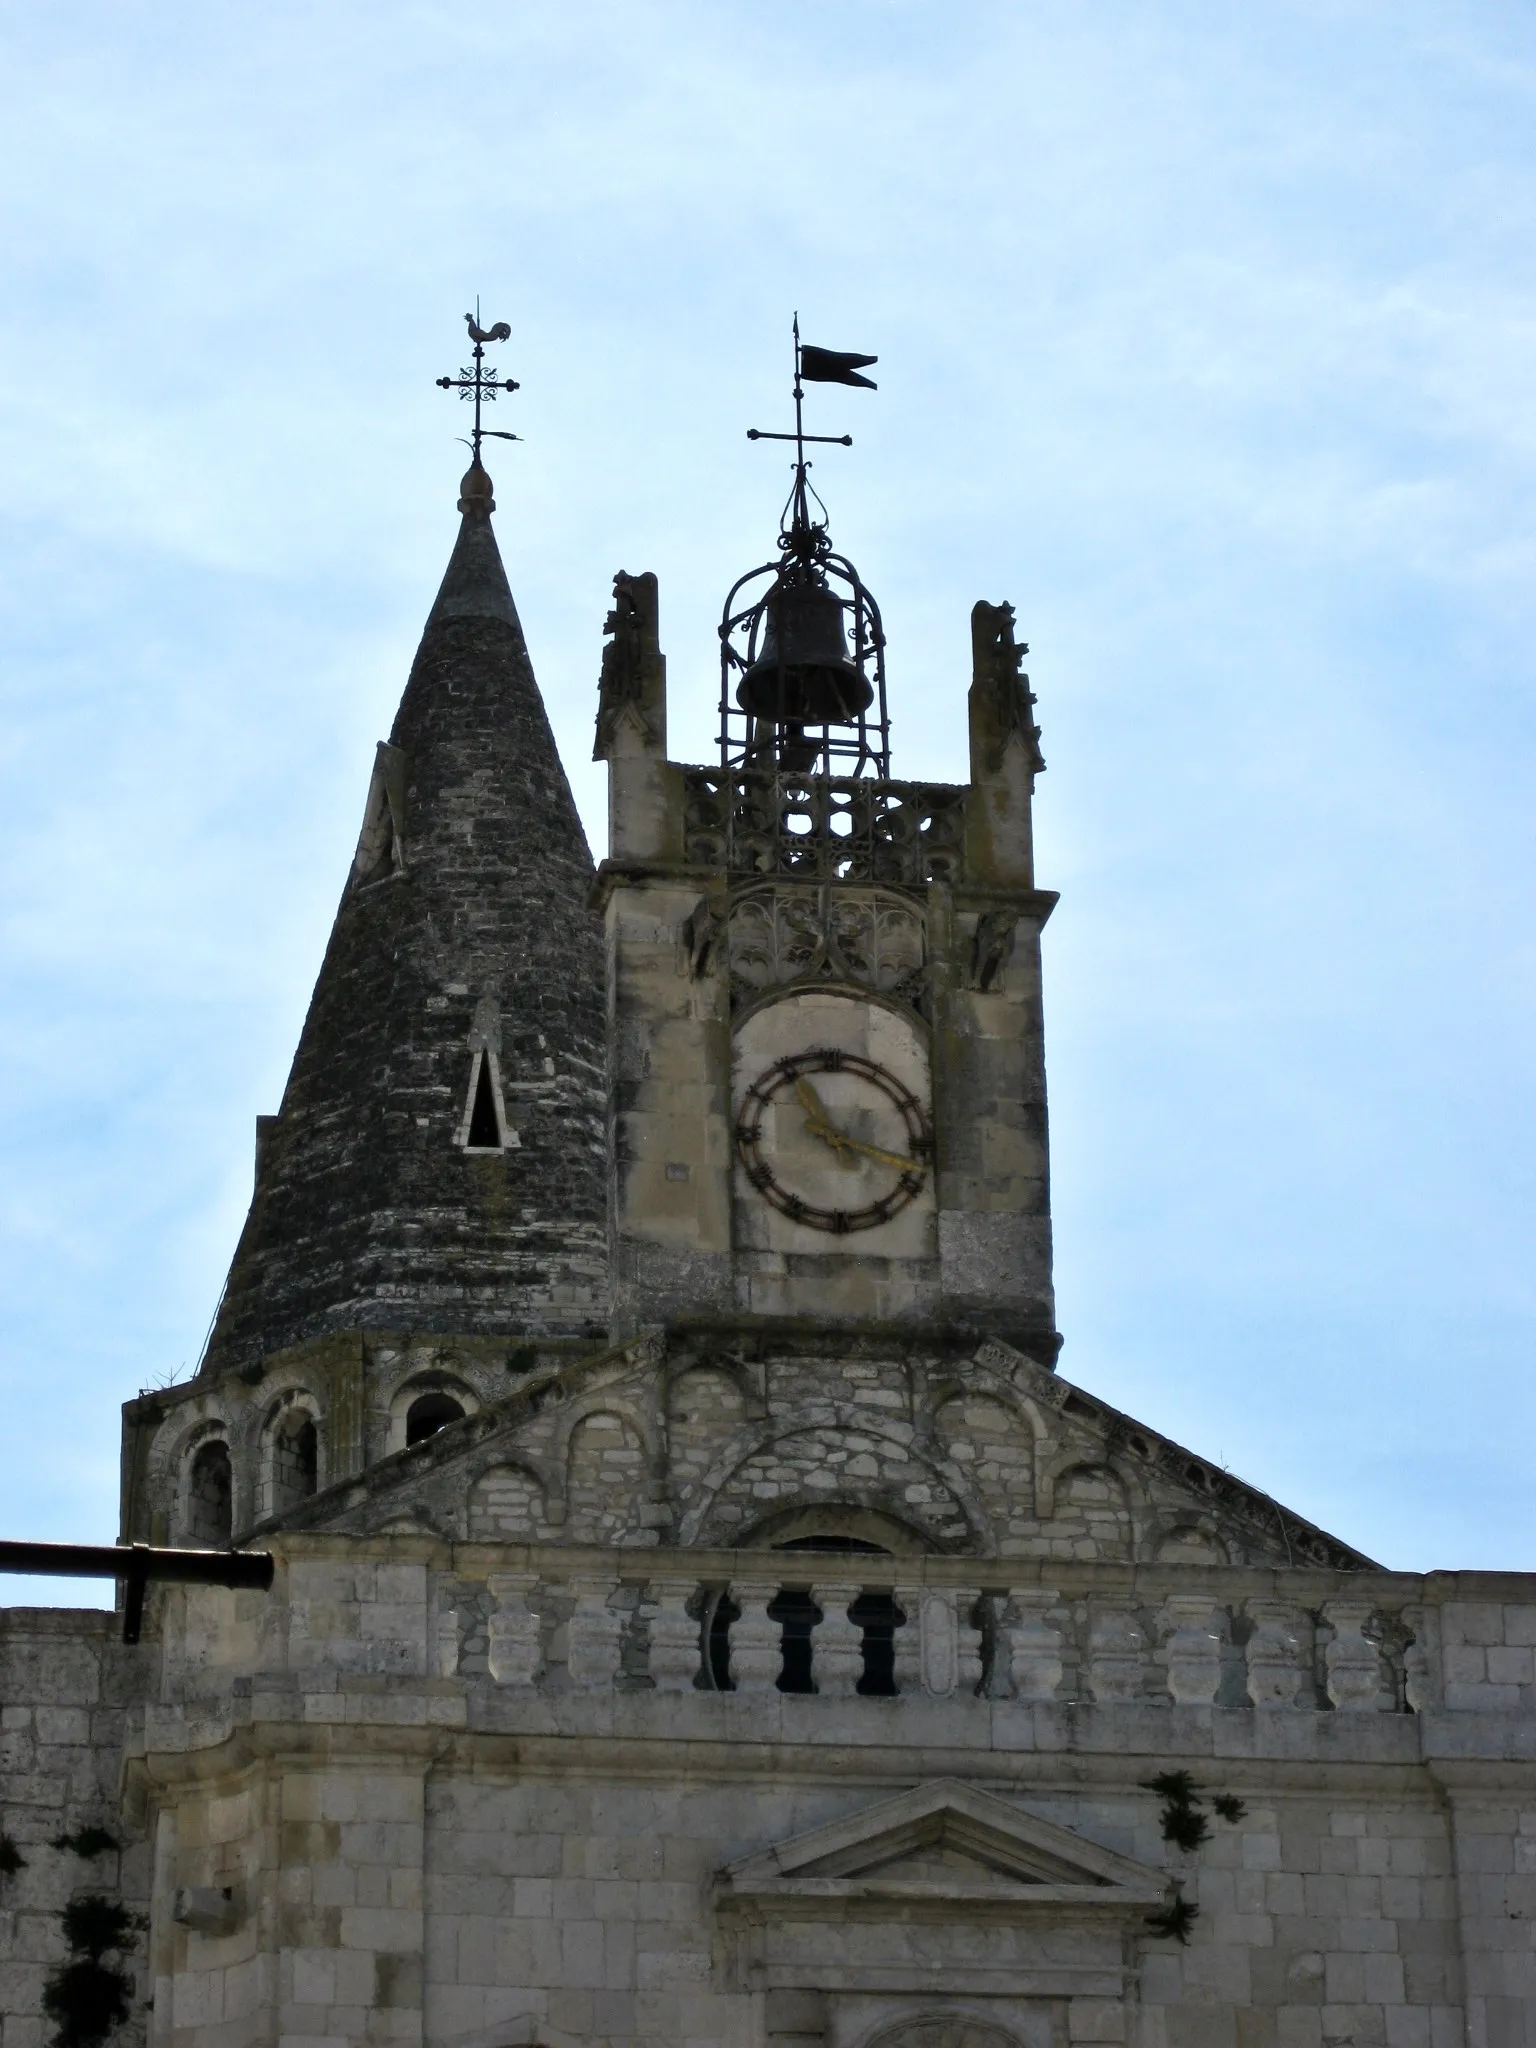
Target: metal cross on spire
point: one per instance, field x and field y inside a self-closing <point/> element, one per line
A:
<point x="478" y="382"/>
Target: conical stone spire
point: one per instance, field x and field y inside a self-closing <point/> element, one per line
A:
<point x="437" y="1162"/>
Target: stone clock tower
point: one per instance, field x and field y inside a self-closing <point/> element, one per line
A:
<point x="828" y="1080"/>
<point x="702" y="1615"/>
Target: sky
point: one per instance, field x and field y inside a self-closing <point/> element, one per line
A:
<point x="1207" y="338"/>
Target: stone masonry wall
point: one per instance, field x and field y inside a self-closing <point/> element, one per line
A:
<point x="66" y="1687"/>
<point x="475" y="1796"/>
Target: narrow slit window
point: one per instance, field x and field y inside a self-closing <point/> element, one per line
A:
<point x="485" y="1133"/>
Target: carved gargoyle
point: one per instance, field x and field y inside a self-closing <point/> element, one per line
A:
<point x="630" y="658"/>
<point x="703" y="936"/>
<point x="992" y="947"/>
<point x="1002" y="701"/>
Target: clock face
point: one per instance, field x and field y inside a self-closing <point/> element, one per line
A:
<point x="834" y="1140"/>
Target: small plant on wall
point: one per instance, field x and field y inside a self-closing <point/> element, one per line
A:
<point x="1186" y="1826"/>
<point x="87" y="1996"/>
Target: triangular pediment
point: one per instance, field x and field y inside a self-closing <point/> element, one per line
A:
<point x="943" y="1841"/>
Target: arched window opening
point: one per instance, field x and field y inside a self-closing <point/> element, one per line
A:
<point x="295" y="1460"/>
<point x="210" y="1496"/>
<point x="429" y="1413"/>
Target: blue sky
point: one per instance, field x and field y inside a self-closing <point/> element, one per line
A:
<point x="1207" y="338"/>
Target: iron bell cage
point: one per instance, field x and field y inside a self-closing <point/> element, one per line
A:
<point x="802" y="665"/>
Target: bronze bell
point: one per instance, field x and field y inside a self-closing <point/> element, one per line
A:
<point x="803" y="675"/>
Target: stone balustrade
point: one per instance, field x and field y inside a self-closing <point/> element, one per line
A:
<point x="834" y="1625"/>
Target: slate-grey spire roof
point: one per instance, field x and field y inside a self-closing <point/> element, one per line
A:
<point x="461" y="998"/>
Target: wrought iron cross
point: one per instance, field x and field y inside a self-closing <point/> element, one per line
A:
<point x="478" y="382"/>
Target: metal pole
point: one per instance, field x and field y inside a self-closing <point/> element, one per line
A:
<point x="136" y="1564"/>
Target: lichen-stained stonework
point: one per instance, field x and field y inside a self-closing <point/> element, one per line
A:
<point x="487" y="1793"/>
<point x="693" y="1626"/>
<point x="463" y="933"/>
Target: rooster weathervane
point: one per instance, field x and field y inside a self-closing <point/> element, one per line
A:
<point x="478" y="382"/>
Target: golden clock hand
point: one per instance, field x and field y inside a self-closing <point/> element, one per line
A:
<point x="819" y="1125"/>
<point x="885" y="1158"/>
<point x="811" y="1102"/>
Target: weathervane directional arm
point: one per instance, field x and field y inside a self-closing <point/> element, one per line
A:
<point x="833" y="440"/>
<point x="479" y="383"/>
<point x="820" y="366"/>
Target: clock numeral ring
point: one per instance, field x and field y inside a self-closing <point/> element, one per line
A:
<point x="783" y="1075"/>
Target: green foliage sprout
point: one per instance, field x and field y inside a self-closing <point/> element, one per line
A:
<point x="87" y="1842"/>
<point x="87" y="1997"/>
<point x="1174" y="1921"/>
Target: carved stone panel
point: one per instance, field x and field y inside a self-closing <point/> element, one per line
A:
<point x="783" y="934"/>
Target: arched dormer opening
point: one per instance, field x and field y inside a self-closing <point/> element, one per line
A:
<point x="425" y="1403"/>
<point x="295" y="1455"/>
<point x="429" y="1413"/>
<point x="209" y="1511"/>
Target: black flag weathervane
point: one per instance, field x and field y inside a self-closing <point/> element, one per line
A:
<point x="819" y="366"/>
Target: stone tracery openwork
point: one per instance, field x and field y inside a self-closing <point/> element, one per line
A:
<point x="828" y="828"/>
<point x="783" y="933"/>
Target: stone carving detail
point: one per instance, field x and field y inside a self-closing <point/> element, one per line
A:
<point x="824" y="828"/>
<point x="781" y="935"/>
<point x="950" y="1644"/>
<point x="1352" y="1660"/>
<point x="631" y="660"/>
<point x="1193" y="1648"/>
<point x="992" y="948"/>
<point x="1002" y="701"/>
<point x="703" y="929"/>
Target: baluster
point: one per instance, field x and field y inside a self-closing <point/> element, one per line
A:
<point x="967" y="1643"/>
<point x="514" y="1654"/>
<point x="909" y="1641"/>
<point x="1193" y="1648"/>
<point x="1352" y="1660"/>
<point x="837" y="1644"/>
<point x="1032" y="1643"/>
<point x="1274" y="1672"/>
<point x="757" y="1644"/>
<point x="1116" y="1647"/>
<point x="594" y="1634"/>
<point x="676" y="1640"/>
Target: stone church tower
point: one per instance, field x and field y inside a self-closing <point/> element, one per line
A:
<point x="703" y="1613"/>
